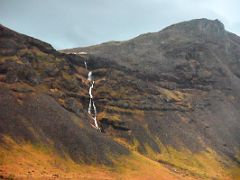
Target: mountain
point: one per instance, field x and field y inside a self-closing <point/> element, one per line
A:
<point x="166" y="104"/>
<point x="45" y="128"/>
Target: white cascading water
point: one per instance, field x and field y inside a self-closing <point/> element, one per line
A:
<point x="85" y="65"/>
<point x="90" y="76"/>
<point x="92" y="110"/>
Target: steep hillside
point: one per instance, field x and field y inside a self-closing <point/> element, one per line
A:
<point x="174" y="91"/>
<point x="45" y="128"/>
<point x="166" y="104"/>
<point x="42" y="102"/>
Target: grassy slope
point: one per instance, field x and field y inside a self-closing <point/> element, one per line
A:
<point x="39" y="161"/>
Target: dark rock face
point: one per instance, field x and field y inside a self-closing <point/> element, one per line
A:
<point x="181" y="84"/>
<point x="73" y="105"/>
<point x="19" y="72"/>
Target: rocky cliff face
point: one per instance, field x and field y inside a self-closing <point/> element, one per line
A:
<point x="172" y="96"/>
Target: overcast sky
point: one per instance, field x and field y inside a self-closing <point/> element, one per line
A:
<point x="75" y="23"/>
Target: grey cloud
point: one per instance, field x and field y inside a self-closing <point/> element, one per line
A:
<point x="74" y="23"/>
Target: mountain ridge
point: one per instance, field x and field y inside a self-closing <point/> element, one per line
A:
<point x="218" y="25"/>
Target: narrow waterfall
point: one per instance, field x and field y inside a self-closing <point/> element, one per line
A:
<point x="85" y="63"/>
<point x="92" y="110"/>
<point x="90" y="76"/>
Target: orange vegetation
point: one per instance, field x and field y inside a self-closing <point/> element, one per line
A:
<point x="39" y="161"/>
